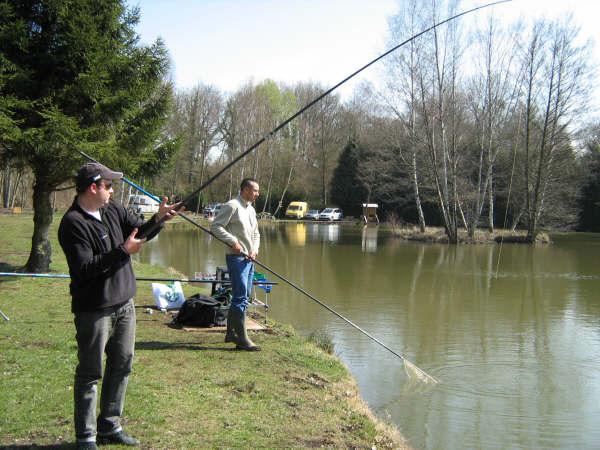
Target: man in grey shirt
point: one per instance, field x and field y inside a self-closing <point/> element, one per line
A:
<point x="236" y="225"/>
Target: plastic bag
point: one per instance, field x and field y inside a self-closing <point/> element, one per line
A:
<point x="168" y="296"/>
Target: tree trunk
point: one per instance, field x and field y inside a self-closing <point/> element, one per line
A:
<point x="417" y="196"/>
<point x="491" y="205"/>
<point x="531" y="226"/>
<point x="323" y="163"/>
<point x="271" y="172"/>
<point x="6" y="185"/>
<point x="290" y="174"/>
<point x="287" y="185"/>
<point x="20" y="181"/>
<point x="41" y="250"/>
<point x="516" y="219"/>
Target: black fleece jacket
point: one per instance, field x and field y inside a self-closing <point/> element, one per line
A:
<point x="100" y="268"/>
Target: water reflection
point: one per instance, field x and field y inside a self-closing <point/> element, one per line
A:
<point x="513" y="336"/>
<point x="369" y="238"/>
<point x="296" y="234"/>
<point x="313" y="231"/>
<point x="330" y="232"/>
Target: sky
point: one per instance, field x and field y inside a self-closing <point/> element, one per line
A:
<point x="229" y="42"/>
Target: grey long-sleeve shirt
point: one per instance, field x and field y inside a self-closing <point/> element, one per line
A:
<point x="236" y="222"/>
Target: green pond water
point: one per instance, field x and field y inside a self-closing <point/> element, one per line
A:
<point x="512" y="332"/>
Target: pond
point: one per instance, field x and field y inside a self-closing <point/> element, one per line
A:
<point x="511" y="331"/>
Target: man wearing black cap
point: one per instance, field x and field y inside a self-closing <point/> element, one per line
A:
<point x="98" y="236"/>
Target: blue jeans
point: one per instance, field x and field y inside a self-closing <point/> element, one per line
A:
<point x="111" y="331"/>
<point x="241" y="273"/>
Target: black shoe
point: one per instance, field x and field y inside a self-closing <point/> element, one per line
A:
<point x="249" y="348"/>
<point x="86" y="446"/>
<point x="118" y="438"/>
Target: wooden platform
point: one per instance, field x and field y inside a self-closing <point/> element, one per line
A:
<point x="251" y="324"/>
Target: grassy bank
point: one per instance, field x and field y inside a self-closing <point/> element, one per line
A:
<point x="188" y="389"/>
<point x="437" y="235"/>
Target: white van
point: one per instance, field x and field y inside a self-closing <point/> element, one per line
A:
<point x="142" y="205"/>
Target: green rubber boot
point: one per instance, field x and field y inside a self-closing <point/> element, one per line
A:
<point x="238" y="322"/>
<point x="230" y="335"/>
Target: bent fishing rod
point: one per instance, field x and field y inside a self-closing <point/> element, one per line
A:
<point x="409" y="366"/>
<point x="323" y="95"/>
<point x="272" y="133"/>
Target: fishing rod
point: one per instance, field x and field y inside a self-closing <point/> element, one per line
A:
<point x="182" y="280"/>
<point x="141" y="189"/>
<point x="326" y="93"/>
<point x="259" y="283"/>
<point x="271" y="133"/>
<point x="410" y="367"/>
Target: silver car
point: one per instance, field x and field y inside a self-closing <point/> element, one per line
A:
<point x="331" y="214"/>
<point x="312" y="214"/>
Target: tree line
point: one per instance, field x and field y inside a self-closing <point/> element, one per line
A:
<point x="480" y="124"/>
<point x="473" y="124"/>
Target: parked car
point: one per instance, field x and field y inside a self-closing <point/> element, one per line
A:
<point x="312" y="214"/>
<point x="331" y="214"/>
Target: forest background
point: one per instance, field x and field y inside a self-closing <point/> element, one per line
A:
<point x="471" y="127"/>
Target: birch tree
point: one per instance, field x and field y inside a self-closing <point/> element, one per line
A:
<point x="491" y="96"/>
<point x="441" y="112"/>
<point x="402" y="92"/>
<point x="556" y="83"/>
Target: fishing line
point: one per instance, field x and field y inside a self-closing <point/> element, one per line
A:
<point x="512" y="171"/>
<point x="411" y="369"/>
<point x="409" y="366"/>
<point x="320" y="97"/>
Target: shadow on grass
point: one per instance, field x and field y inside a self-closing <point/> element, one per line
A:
<point x="158" y="345"/>
<point x="35" y="446"/>
<point x="5" y="267"/>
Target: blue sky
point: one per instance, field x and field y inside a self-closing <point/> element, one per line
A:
<point x="228" y="42"/>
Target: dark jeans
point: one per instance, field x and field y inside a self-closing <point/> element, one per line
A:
<point x="241" y="273"/>
<point x="111" y="331"/>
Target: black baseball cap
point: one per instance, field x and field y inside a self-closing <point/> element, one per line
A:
<point x="93" y="172"/>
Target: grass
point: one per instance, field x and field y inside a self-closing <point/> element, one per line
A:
<point x="437" y="235"/>
<point x="187" y="390"/>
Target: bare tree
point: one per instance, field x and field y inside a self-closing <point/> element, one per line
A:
<point x="441" y="108"/>
<point x="278" y="103"/>
<point x="201" y="115"/>
<point x="490" y="97"/>
<point x="238" y="127"/>
<point x="328" y="144"/>
<point x="402" y="90"/>
<point x="556" y="84"/>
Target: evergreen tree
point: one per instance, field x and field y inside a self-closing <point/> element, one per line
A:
<point x="73" y="76"/>
<point x="589" y="217"/>
<point x="347" y="190"/>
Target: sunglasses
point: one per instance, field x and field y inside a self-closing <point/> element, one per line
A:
<point x="107" y="184"/>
